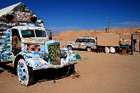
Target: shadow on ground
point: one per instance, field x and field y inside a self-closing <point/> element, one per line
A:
<point x="53" y="74"/>
<point x="43" y="75"/>
<point x="1" y="70"/>
<point x="6" y="67"/>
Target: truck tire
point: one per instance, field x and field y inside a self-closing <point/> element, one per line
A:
<point x="25" y="73"/>
<point x="69" y="47"/>
<point x="112" y="50"/>
<point x="70" y="69"/>
<point x="107" y="50"/>
<point x="88" y="49"/>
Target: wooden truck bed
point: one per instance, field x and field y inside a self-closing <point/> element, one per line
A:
<point x="108" y="39"/>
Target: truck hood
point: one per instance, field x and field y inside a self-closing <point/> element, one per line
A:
<point x="34" y="40"/>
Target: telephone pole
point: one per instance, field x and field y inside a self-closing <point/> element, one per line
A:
<point x="108" y="25"/>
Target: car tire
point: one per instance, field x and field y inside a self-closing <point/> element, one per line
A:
<point x="69" y="47"/>
<point x="25" y="73"/>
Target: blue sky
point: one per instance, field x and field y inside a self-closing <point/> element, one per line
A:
<point x="83" y="14"/>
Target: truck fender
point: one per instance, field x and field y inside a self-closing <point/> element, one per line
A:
<point x="15" y="62"/>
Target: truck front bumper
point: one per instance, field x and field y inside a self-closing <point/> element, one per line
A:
<point x="47" y="66"/>
<point x="39" y="63"/>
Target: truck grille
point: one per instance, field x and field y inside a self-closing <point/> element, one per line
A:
<point x="54" y="53"/>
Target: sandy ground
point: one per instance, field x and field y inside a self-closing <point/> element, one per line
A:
<point x="99" y="73"/>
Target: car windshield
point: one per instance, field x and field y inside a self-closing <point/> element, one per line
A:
<point x="91" y="40"/>
<point x="33" y="33"/>
<point x="78" y="40"/>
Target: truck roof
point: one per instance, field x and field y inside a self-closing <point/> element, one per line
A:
<point x="28" y="27"/>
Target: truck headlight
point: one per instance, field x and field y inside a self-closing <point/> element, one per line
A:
<point x="32" y="47"/>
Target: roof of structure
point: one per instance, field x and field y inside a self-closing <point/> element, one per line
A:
<point x="8" y="9"/>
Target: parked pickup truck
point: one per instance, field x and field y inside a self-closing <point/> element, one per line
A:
<point x="29" y="48"/>
<point x="85" y="42"/>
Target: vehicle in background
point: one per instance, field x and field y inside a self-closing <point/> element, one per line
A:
<point x="111" y="43"/>
<point x="102" y="42"/>
<point x="85" y="43"/>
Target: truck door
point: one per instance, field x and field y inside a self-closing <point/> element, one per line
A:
<point x="6" y="54"/>
<point x="16" y="41"/>
<point x="83" y="43"/>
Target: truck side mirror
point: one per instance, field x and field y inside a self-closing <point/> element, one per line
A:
<point x="50" y="35"/>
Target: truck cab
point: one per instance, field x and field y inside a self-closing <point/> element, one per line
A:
<point x="28" y="47"/>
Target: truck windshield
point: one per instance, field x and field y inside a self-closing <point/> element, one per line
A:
<point x="33" y="33"/>
<point x="40" y="33"/>
<point x="27" y="33"/>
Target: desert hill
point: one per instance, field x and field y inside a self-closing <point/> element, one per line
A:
<point x="72" y="35"/>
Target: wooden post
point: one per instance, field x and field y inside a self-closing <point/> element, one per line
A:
<point x="132" y="43"/>
<point x="139" y="42"/>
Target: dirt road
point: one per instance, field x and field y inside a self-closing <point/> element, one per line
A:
<point x="99" y="73"/>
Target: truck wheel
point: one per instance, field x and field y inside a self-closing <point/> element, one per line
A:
<point x="106" y="49"/>
<point x="112" y="49"/>
<point x="25" y="73"/>
<point x="88" y="49"/>
<point x="69" y="47"/>
<point x="70" y="69"/>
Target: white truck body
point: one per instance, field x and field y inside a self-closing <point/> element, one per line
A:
<point x="34" y="51"/>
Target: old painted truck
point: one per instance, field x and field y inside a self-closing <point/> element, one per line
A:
<point x="28" y="47"/>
